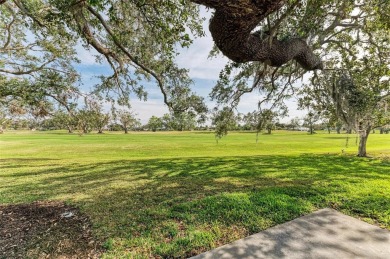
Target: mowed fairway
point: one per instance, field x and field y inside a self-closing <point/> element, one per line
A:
<point x="180" y="194"/>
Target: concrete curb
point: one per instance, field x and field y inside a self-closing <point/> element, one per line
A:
<point x="326" y="233"/>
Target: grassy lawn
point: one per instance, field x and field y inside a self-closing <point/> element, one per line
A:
<point x="180" y="194"/>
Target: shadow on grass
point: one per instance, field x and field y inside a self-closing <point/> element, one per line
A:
<point x="342" y="136"/>
<point x="184" y="206"/>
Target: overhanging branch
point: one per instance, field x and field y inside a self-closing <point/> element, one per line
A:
<point x="26" y="72"/>
<point x="231" y="28"/>
<point x="128" y="54"/>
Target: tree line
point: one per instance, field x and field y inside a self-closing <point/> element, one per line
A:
<point x="93" y="117"/>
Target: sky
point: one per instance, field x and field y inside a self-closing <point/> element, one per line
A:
<point x="203" y="71"/>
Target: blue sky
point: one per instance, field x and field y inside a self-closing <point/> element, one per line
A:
<point x="202" y="70"/>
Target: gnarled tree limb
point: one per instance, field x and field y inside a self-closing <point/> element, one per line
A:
<point x="231" y="28"/>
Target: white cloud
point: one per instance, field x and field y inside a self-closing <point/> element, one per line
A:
<point x="145" y="110"/>
<point x="195" y="58"/>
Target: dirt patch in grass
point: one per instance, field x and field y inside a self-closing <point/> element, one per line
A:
<point x="47" y="229"/>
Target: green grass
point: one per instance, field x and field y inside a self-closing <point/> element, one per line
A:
<point x="179" y="194"/>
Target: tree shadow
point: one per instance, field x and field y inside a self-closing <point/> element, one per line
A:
<point x="136" y="199"/>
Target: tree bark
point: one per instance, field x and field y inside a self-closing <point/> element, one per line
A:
<point x="85" y="129"/>
<point x="363" y="136"/>
<point x="231" y="28"/>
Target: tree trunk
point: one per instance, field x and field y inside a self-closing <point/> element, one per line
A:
<point x="231" y="28"/>
<point x="363" y="136"/>
<point x="269" y="131"/>
<point x="126" y="130"/>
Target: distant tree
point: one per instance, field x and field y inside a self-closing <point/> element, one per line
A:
<point x="295" y="123"/>
<point x="339" y="126"/>
<point x="63" y="119"/>
<point x="92" y="116"/>
<point x="4" y="120"/>
<point x="19" y="123"/>
<point x="181" y="121"/>
<point x="280" y="125"/>
<point x="155" y="123"/>
<point x="331" y="122"/>
<point x="84" y="120"/>
<point x="187" y="110"/>
<point x="272" y="118"/>
<point x="385" y="129"/>
<point x="310" y="119"/>
<point x="265" y="119"/>
<point x="101" y="121"/>
<point x="246" y="120"/>
<point x="99" y="118"/>
<point x="167" y="122"/>
<point x="127" y="120"/>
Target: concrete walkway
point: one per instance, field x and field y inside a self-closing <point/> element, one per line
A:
<point x="322" y="234"/>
